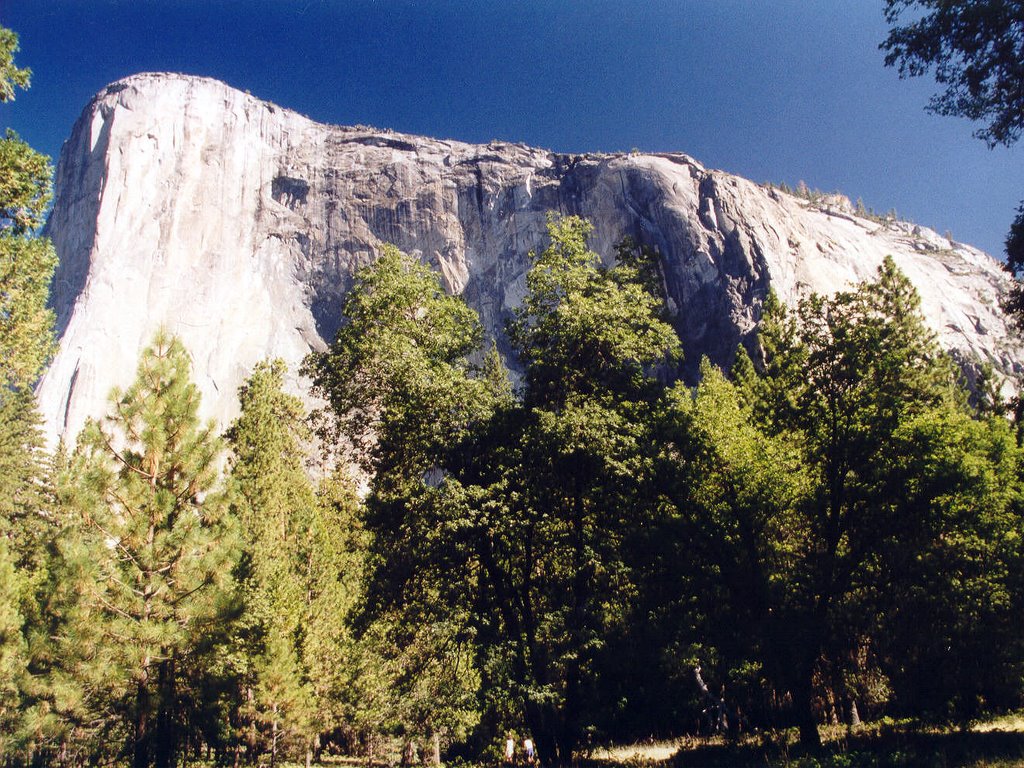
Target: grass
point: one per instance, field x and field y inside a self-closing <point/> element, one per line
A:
<point x="993" y="743"/>
<point x="643" y="752"/>
<point x="996" y="742"/>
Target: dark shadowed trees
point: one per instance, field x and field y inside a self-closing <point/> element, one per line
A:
<point x="974" y="49"/>
<point x="881" y="464"/>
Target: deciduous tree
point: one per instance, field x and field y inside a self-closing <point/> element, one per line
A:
<point x="975" y="48"/>
<point x="402" y="391"/>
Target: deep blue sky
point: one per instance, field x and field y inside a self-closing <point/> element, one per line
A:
<point x="781" y="90"/>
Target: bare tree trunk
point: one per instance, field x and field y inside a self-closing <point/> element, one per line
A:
<point x="250" y="731"/>
<point x="273" y="737"/>
<point x="854" y="714"/>
<point x="833" y="707"/>
<point x="435" y="747"/>
<point x="165" y="736"/>
<point x="140" y="751"/>
<point x="803" y="700"/>
<point x="409" y="752"/>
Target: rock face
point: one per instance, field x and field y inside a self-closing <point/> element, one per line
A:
<point x="237" y="225"/>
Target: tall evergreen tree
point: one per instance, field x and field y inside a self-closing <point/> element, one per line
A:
<point x="276" y="509"/>
<point x="13" y="654"/>
<point x="27" y="263"/>
<point x="152" y="536"/>
<point x="344" y="671"/>
<point x="300" y="575"/>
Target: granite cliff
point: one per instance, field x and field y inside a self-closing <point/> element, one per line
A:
<point x="181" y="202"/>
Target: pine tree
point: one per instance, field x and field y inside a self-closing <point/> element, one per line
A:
<point x="300" y="578"/>
<point x="13" y="653"/>
<point x="277" y="507"/>
<point x="27" y="263"/>
<point x="151" y="536"/>
<point x="344" y="671"/>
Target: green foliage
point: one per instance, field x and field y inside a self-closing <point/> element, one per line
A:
<point x="773" y="396"/>
<point x="151" y="542"/>
<point x="26" y="324"/>
<point x="27" y="532"/>
<point x="974" y="50"/>
<point x="396" y="375"/>
<point x="531" y="501"/>
<point x="583" y="328"/>
<point x="299" y="578"/>
<point x="402" y="391"/>
<point x="25" y="188"/>
<point x="987" y="397"/>
<point x="23" y="479"/>
<point x="26" y="342"/>
<point x="26" y="263"/>
<point x="1013" y="304"/>
<point x="879" y="450"/>
<point x="960" y="575"/>
<point x="339" y="668"/>
<point x="612" y="534"/>
<point x="14" y="657"/>
<point x="276" y="509"/>
<point x="11" y="77"/>
<point x="550" y="490"/>
<point x="834" y="530"/>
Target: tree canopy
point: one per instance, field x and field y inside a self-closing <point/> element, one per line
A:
<point x="974" y="48"/>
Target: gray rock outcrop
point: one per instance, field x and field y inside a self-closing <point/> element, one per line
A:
<point x="183" y="203"/>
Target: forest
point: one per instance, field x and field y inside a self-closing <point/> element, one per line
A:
<point x="549" y="536"/>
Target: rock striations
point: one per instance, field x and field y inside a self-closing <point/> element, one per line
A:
<point x="183" y="203"/>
